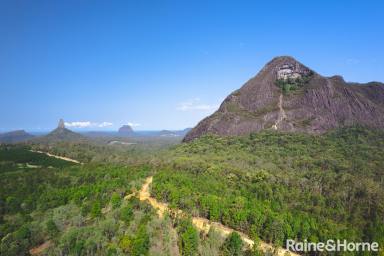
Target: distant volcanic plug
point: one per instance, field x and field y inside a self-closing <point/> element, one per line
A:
<point x="126" y="129"/>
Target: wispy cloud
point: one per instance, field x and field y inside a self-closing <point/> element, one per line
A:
<point x="87" y="124"/>
<point x="133" y="124"/>
<point x="196" y="105"/>
<point x="104" y="124"/>
<point x="81" y="124"/>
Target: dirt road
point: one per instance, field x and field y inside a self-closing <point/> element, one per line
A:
<point x="58" y="157"/>
<point x="203" y="224"/>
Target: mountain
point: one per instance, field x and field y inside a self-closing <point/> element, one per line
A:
<point x="288" y="96"/>
<point x="168" y="133"/>
<point x="176" y="133"/>
<point x="61" y="134"/>
<point x="126" y="130"/>
<point x="15" y="136"/>
<point x="185" y="131"/>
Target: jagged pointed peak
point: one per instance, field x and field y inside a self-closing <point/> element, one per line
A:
<point x="61" y="124"/>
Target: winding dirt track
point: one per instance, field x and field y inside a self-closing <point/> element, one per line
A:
<point x="203" y="224"/>
<point x="58" y="157"/>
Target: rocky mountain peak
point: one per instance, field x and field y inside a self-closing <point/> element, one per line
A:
<point x="286" y="67"/>
<point x="61" y="124"/>
<point x="288" y="96"/>
<point x="61" y="134"/>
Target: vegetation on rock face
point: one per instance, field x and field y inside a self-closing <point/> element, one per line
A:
<point x="289" y="84"/>
<point x="258" y="104"/>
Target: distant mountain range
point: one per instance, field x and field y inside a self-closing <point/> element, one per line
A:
<point x="60" y="134"/>
<point x="288" y="96"/>
<point x="15" y="136"/>
<point x="172" y="133"/>
<point x="162" y="133"/>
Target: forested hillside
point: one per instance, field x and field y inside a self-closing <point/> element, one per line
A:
<point x="271" y="186"/>
<point x="52" y="207"/>
<point x="278" y="186"/>
<point x="71" y="209"/>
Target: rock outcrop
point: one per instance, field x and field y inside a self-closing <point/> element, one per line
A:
<point x="126" y="129"/>
<point x="61" y="134"/>
<point x="288" y="96"/>
<point x="61" y="124"/>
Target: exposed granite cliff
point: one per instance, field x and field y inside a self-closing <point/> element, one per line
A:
<point x="288" y="96"/>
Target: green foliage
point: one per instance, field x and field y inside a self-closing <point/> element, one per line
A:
<point x="268" y="185"/>
<point x="17" y="242"/>
<point x="233" y="245"/>
<point x="278" y="186"/>
<point x="11" y="155"/>
<point x="52" y="229"/>
<point x="288" y="85"/>
<point x="126" y="214"/>
<point x="48" y="202"/>
<point x="189" y="238"/>
<point x="138" y="244"/>
<point x="115" y="200"/>
<point x="96" y="210"/>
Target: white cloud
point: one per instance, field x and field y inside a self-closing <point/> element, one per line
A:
<point x="133" y="124"/>
<point x="87" y="124"/>
<point x="196" y="105"/>
<point x="78" y="124"/>
<point x="104" y="124"/>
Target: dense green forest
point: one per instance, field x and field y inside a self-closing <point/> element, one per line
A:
<point x="277" y="186"/>
<point x="269" y="185"/>
<point x="59" y="208"/>
<point x="98" y="150"/>
<point x="12" y="157"/>
<point x="78" y="208"/>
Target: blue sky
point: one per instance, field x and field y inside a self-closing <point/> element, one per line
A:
<point x="166" y="64"/>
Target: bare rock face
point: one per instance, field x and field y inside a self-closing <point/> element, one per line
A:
<point x="61" y="124"/>
<point x="61" y="134"/>
<point x="291" y="70"/>
<point x="288" y="96"/>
